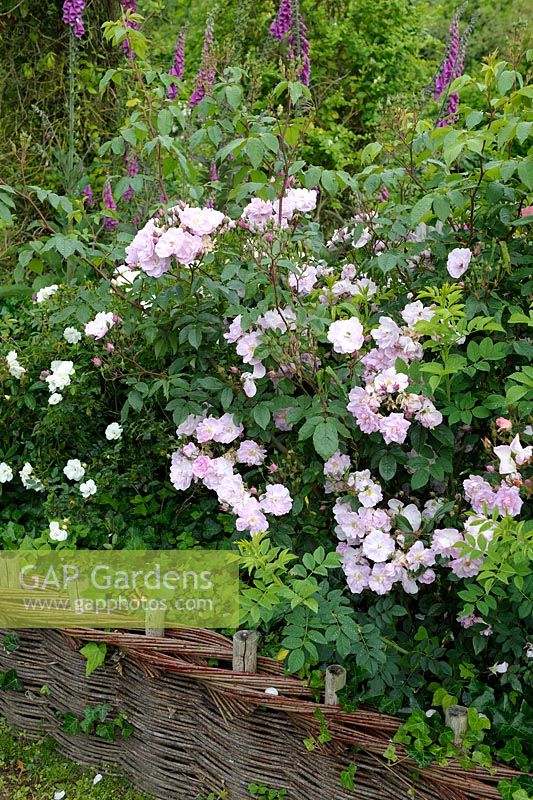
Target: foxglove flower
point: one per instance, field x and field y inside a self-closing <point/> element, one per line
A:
<point x="129" y="5"/>
<point x="289" y="26"/>
<point x="73" y="16"/>
<point x="178" y="67"/>
<point x="109" y="202"/>
<point x="87" y="193"/>
<point x="206" y="76"/>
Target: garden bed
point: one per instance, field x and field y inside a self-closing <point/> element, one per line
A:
<point x="199" y="728"/>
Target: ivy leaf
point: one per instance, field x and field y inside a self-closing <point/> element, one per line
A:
<point x="10" y="681"/>
<point x="95" y="655"/>
<point x="71" y="724"/>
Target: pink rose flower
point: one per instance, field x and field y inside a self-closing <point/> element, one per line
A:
<point x="458" y="261"/>
<point x="394" y="428"/>
<point x="201" y="221"/>
<point x="276" y="500"/>
<point x="503" y="424"/>
<point x="346" y="335"/>
<point x="176" y="242"/>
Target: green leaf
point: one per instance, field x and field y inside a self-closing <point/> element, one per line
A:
<point x="71" y="724"/>
<point x="165" y="121"/>
<point x="95" y="655"/>
<point x="10" y="681"/>
<point x="419" y="479"/>
<point x="194" y="337"/>
<point x="261" y="415"/>
<point x="255" y="150"/>
<point x="295" y="661"/>
<point x="506" y="81"/>
<point x="325" y="439"/>
<point x="422" y="209"/>
<point x="234" y="95"/>
<point x="387" y="467"/>
<point x="135" y="400"/>
<point x="525" y="172"/>
<point x="441" y="207"/>
<point x="328" y="179"/>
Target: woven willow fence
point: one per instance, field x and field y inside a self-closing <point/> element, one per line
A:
<point x="200" y="728"/>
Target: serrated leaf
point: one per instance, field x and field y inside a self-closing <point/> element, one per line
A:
<point x="325" y="439"/>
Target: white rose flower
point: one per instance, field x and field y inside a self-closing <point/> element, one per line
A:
<point x="61" y="372"/>
<point x="15" y="369"/>
<point x="74" y="469"/>
<point x="72" y="335"/>
<point x="88" y="488"/>
<point x="54" y="399"/>
<point x="6" y="473"/>
<point x="113" y="431"/>
<point x="28" y="479"/>
<point x="499" y="669"/>
<point x="57" y="533"/>
<point x="45" y="293"/>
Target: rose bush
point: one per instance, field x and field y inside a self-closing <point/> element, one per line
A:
<point x="351" y="402"/>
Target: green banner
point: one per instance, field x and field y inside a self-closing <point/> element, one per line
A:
<point x="119" y="589"/>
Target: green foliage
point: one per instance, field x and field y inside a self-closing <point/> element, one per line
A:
<point x="95" y="655"/>
<point x="10" y="681"/>
<point x="97" y="721"/>
<point x="46" y="772"/>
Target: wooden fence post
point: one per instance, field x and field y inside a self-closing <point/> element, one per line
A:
<point x="245" y="651"/>
<point x="155" y="623"/>
<point x="456" y="718"/>
<point x="335" y="681"/>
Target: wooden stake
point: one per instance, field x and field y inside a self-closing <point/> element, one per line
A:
<point x="456" y="718"/>
<point x="335" y="681"/>
<point x="155" y="623"/>
<point x="245" y="651"/>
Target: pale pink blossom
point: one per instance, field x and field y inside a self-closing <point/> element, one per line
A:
<point x="382" y="578"/>
<point x="100" y="325"/>
<point x="302" y="200"/>
<point x="257" y="213"/>
<point x="181" y="472"/>
<point x="444" y="542"/>
<point x="200" y="221"/>
<point x="251" y="453"/>
<point x="458" y="261"/>
<point x="346" y="335"/>
<point x="178" y="243"/>
<point x="508" y="501"/>
<point x="378" y="546"/>
<point x="276" y="500"/>
<point x="503" y="424"/>
<point x="394" y="428"/>
<point x="387" y="333"/>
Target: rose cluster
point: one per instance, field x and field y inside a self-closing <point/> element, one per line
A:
<point x="259" y="214"/>
<point x="183" y="233"/>
<point x="196" y="461"/>
<point x="384" y="546"/>
<point x="384" y="403"/>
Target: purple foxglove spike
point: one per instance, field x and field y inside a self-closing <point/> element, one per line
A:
<point x="73" y="16"/>
<point x="87" y="192"/>
<point x="178" y="67"/>
<point x="109" y="200"/>
<point x="207" y="73"/>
